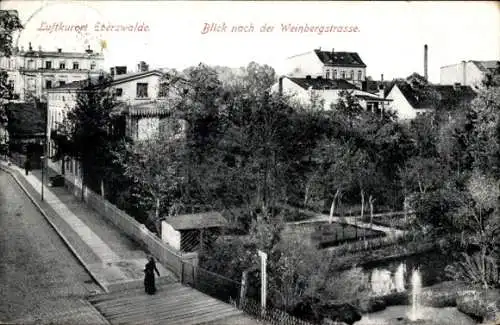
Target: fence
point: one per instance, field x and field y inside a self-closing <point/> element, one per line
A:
<point x="230" y="291"/>
<point x="138" y="232"/>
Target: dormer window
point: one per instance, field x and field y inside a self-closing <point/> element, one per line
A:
<point x="48" y="64"/>
<point x="327" y="76"/>
<point x="76" y="66"/>
<point x="31" y="64"/>
<point x="343" y="74"/>
<point x="335" y="74"/>
<point x="62" y="65"/>
<point x="352" y="75"/>
<point x="360" y="75"/>
<point x="92" y="66"/>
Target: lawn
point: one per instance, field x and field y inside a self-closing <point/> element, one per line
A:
<point x="326" y="235"/>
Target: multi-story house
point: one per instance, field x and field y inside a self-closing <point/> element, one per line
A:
<point x="31" y="72"/>
<point x="469" y="73"/>
<point x="141" y="96"/>
<point x="329" y="65"/>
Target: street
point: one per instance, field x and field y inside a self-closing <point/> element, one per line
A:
<point x="40" y="279"/>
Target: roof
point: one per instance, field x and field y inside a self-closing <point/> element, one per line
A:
<point x="149" y="108"/>
<point x="371" y="97"/>
<point x="116" y="80"/>
<point x="487" y="66"/>
<point x="202" y="220"/>
<point x="350" y="59"/>
<point x="322" y="83"/>
<point x="57" y="54"/>
<point x="447" y="93"/>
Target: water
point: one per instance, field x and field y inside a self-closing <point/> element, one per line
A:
<point x="416" y="290"/>
<point x="399" y="315"/>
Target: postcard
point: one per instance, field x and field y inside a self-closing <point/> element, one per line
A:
<point x="249" y="162"/>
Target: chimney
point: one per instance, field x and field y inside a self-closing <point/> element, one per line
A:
<point x="456" y="86"/>
<point x="30" y="48"/>
<point x="88" y="50"/>
<point x="112" y="71"/>
<point x="464" y="73"/>
<point x="39" y="48"/>
<point x="120" y="70"/>
<point x="425" y="62"/>
<point x="280" y="85"/>
<point x="308" y="77"/>
<point x="382" y="77"/>
<point x="59" y="50"/>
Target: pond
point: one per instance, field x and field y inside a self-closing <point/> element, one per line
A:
<point x="401" y="315"/>
<point x="398" y="271"/>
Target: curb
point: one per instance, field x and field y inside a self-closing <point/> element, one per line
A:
<point x="64" y="239"/>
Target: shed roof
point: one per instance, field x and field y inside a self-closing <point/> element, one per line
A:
<point x="201" y="220"/>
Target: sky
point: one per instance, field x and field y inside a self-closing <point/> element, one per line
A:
<point x="390" y="36"/>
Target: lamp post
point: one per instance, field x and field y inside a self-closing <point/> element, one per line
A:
<point x="43" y="167"/>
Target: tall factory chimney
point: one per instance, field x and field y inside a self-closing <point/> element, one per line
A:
<point x="425" y="62"/>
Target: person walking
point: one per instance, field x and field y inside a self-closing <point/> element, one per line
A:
<point x="149" y="276"/>
<point x="27" y="166"/>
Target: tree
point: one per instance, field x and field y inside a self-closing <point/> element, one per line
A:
<point x="94" y="120"/>
<point x="9" y="23"/>
<point x="154" y="165"/>
<point x="479" y="218"/>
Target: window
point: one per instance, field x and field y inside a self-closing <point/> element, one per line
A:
<point x="142" y="90"/>
<point x="31" y="64"/>
<point x="48" y="64"/>
<point x="92" y="66"/>
<point x="352" y="75"/>
<point x="163" y="91"/>
<point x="360" y="74"/>
<point x="48" y="84"/>
<point x="343" y="74"/>
<point x="76" y="66"/>
<point x="11" y="84"/>
<point x="335" y="74"/>
<point x="62" y="83"/>
<point x="327" y="74"/>
<point x="62" y="65"/>
<point x="118" y="92"/>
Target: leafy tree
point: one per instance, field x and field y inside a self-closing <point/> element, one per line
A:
<point x="94" y="120"/>
<point x="154" y="165"/>
<point x="9" y="23"/>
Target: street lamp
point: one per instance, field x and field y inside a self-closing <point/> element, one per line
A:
<point x="43" y="167"/>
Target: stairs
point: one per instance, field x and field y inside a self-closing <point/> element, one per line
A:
<point x="173" y="304"/>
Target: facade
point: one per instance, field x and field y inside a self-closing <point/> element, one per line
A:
<point x="329" y="65"/>
<point x="305" y="90"/>
<point x="407" y="104"/>
<point x="33" y="72"/>
<point x="141" y="95"/>
<point x="468" y="73"/>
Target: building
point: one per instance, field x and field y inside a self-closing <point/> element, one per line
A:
<point x="306" y="90"/>
<point x="31" y="72"/>
<point x="141" y="95"/>
<point x="469" y="73"/>
<point x="408" y="103"/>
<point x="329" y="65"/>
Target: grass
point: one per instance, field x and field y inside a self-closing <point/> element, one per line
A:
<point x="333" y="234"/>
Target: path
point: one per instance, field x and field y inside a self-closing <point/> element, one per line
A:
<point x="40" y="280"/>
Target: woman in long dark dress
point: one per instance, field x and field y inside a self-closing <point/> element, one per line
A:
<point x="149" y="276"/>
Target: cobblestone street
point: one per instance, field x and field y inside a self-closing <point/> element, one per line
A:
<point x="40" y="279"/>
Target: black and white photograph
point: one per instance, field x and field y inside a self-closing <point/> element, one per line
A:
<point x="249" y="162"/>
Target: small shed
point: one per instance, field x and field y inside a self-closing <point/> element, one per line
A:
<point x="192" y="232"/>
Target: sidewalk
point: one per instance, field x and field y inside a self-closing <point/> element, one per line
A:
<point x="115" y="261"/>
